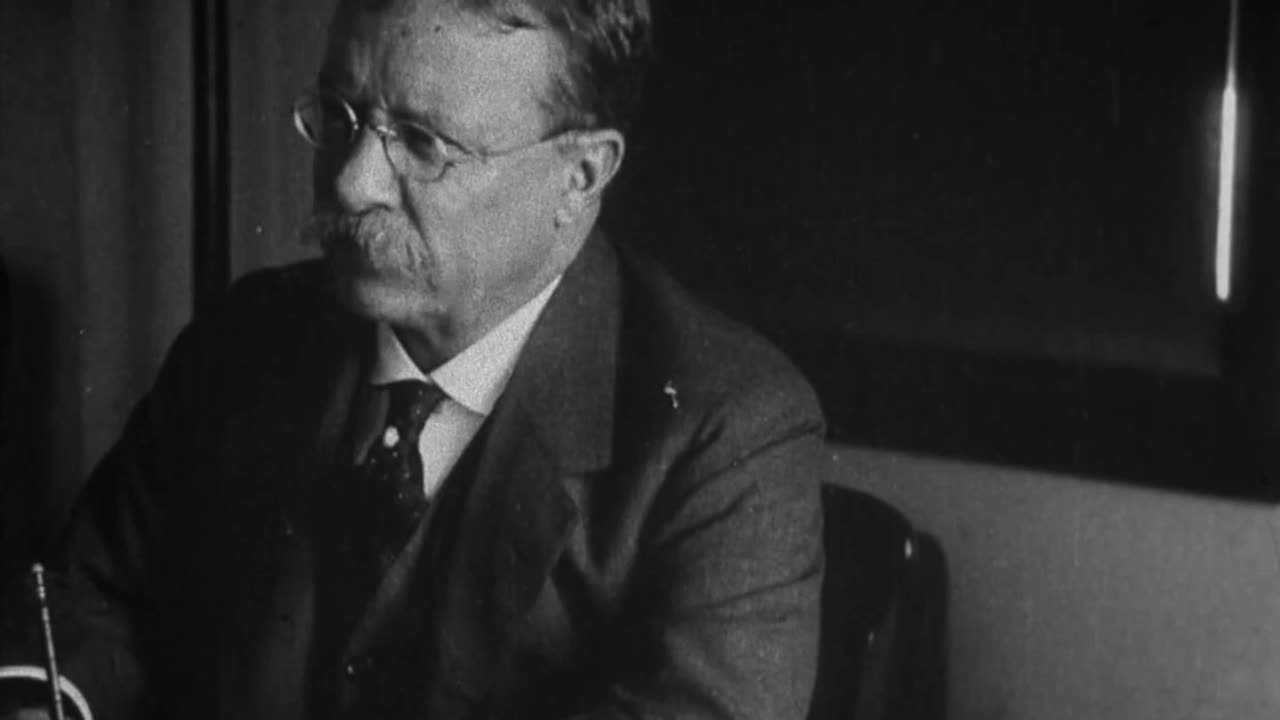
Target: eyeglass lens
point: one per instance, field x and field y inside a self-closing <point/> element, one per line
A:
<point x="329" y="123"/>
<point x="326" y="121"/>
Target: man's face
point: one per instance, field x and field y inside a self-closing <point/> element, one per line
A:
<point x="448" y="259"/>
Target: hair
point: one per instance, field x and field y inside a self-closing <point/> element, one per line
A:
<point x="607" y="46"/>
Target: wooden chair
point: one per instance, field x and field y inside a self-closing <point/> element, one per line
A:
<point x="884" y="614"/>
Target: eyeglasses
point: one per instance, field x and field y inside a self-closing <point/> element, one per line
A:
<point x="328" y="122"/>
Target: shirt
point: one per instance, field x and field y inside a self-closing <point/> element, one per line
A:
<point x="472" y="382"/>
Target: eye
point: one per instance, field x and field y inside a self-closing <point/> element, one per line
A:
<point x="421" y="143"/>
<point x="325" y="120"/>
<point x="333" y="122"/>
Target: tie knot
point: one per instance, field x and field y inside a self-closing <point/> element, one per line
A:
<point x="411" y="403"/>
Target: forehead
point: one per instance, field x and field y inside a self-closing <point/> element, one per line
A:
<point x="424" y="56"/>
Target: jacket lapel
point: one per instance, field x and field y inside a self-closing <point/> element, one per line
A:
<point x="282" y="455"/>
<point x="308" y="417"/>
<point x="285" y="455"/>
<point x="554" y="420"/>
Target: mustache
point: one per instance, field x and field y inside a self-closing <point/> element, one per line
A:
<point x="382" y="238"/>
<point x="325" y="228"/>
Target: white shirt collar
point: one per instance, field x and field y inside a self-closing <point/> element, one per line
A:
<point x="475" y="377"/>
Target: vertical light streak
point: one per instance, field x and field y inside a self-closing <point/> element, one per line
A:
<point x="1227" y="152"/>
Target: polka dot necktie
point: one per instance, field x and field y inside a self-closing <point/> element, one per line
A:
<point x="392" y="469"/>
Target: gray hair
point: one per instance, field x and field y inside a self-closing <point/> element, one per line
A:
<point x="607" y="46"/>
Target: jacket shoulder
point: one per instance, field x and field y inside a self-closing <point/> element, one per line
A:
<point x="269" y="311"/>
<point x="711" y="368"/>
<point x="287" y="292"/>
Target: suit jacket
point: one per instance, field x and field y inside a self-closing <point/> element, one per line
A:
<point x="640" y="535"/>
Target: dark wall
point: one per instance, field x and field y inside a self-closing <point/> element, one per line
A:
<point x="37" y="193"/>
<point x="275" y="54"/>
<point x="985" y="229"/>
<point x="1037" y="179"/>
<point x="95" y="226"/>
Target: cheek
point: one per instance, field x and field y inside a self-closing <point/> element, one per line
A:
<point x="483" y="236"/>
<point x="520" y="212"/>
<point x="513" y="236"/>
<point x="445" y="238"/>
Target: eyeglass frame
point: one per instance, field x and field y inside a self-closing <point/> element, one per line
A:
<point x="388" y="130"/>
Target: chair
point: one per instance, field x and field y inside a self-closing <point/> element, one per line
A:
<point x="884" y="613"/>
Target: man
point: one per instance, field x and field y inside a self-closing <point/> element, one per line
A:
<point x="511" y="472"/>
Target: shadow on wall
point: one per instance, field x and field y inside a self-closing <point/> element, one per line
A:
<point x="1162" y="429"/>
<point x="26" y="427"/>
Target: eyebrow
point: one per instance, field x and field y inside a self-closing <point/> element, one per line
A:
<point x="425" y="120"/>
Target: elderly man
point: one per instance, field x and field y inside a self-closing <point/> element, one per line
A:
<point x="478" y="462"/>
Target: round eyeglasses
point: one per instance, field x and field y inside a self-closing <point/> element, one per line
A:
<point x="328" y="122"/>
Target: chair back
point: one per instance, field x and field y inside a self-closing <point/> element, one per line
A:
<point x="883" y="614"/>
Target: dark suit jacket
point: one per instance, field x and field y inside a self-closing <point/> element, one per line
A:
<point x="641" y="536"/>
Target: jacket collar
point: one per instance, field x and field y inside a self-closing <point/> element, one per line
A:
<point x="555" y="420"/>
<point x="562" y="388"/>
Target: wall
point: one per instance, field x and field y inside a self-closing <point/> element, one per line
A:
<point x="38" y="226"/>
<point x="276" y="49"/>
<point x="95" y="208"/>
<point x="1076" y="599"/>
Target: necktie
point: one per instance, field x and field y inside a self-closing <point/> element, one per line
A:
<point x="391" y="473"/>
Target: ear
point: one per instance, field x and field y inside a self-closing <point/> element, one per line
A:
<point x="596" y="157"/>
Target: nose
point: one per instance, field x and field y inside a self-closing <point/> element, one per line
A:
<point x="366" y="179"/>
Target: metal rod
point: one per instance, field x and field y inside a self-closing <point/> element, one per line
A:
<point x="50" y="656"/>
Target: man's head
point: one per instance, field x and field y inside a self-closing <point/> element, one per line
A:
<point x="444" y="237"/>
